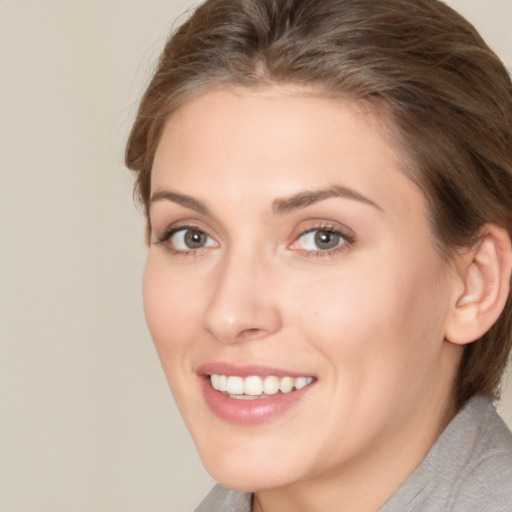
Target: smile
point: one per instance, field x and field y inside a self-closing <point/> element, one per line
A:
<point x="253" y="387"/>
<point x="251" y="395"/>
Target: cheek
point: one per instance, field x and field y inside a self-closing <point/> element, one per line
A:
<point x="170" y="307"/>
<point x="380" y="318"/>
<point x="171" y="310"/>
<point x="381" y="334"/>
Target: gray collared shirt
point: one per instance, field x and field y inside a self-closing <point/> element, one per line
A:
<point x="469" y="469"/>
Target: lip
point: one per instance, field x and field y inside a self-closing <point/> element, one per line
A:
<point x="246" y="370"/>
<point x="248" y="412"/>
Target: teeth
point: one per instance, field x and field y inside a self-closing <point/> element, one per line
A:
<point x="301" y="382"/>
<point x="235" y="385"/>
<point x="271" y="385"/>
<point x="223" y="383"/>
<point x="286" y="384"/>
<point x="255" y="386"/>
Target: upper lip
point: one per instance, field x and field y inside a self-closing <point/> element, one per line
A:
<point x="219" y="368"/>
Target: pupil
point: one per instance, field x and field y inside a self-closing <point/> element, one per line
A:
<point x="194" y="239"/>
<point x="326" y="240"/>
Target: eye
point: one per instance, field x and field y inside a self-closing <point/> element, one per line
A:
<point x="321" y="241"/>
<point x="187" y="239"/>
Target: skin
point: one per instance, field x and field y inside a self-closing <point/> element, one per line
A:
<point x="367" y="319"/>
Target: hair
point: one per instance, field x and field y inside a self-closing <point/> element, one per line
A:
<point x="446" y="97"/>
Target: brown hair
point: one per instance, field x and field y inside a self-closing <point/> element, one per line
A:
<point x="446" y="95"/>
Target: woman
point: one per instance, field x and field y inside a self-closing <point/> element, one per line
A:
<point x="328" y="189"/>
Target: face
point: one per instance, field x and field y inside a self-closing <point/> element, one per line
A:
<point x="293" y="290"/>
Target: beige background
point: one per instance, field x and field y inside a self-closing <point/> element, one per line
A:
<point x="86" y="420"/>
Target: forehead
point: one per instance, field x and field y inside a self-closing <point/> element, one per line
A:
<point x="277" y="141"/>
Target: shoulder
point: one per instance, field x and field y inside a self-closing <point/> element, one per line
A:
<point x="486" y="479"/>
<point x="482" y="443"/>
<point x="220" y="499"/>
<point x="487" y="483"/>
<point x="469" y="468"/>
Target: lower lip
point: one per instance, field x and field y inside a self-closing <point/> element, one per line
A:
<point x="250" y="412"/>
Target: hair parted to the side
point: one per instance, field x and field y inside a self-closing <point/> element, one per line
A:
<point x="446" y="98"/>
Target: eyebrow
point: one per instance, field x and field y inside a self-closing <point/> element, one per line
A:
<point x="304" y="199"/>
<point x="280" y="206"/>
<point x="181" y="199"/>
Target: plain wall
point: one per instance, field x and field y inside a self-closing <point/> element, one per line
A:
<point x="86" y="420"/>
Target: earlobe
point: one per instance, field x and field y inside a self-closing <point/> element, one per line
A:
<point x="485" y="271"/>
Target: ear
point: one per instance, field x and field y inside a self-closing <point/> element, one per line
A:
<point x="484" y="271"/>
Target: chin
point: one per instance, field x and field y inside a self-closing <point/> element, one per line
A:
<point x="244" y="473"/>
<point x="247" y="480"/>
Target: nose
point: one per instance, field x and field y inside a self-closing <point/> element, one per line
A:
<point x="243" y="303"/>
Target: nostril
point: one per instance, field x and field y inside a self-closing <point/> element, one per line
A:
<point x="251" y="334"/>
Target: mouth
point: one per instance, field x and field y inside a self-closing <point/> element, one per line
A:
<point x="252" y="395"/>
<point x="255" y="387"/>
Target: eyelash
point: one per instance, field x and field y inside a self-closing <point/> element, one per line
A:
<point x="347" y="240"/>
<point x="164" y="238"/>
